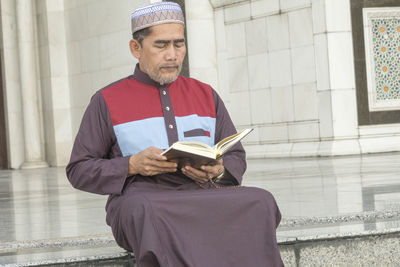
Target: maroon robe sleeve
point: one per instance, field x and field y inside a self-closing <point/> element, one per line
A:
<point x="96" y="163"/>
<point x="235" y="159"/>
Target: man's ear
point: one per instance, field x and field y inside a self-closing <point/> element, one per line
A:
<point x="135" y="48"/>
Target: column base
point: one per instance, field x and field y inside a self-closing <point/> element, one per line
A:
<point x="34" y="165"/>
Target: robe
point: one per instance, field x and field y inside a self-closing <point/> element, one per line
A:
<point x="168" y="220"/>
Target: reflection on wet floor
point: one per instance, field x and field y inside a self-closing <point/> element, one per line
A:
<point x="41" y="204"/>
<point x="330" y="186"/>
<point x="353" y="193"/>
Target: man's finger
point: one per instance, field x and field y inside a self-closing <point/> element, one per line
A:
<point x="156" y="156"/>
<point x="195" y="171"/>
<point x="164" y="164"/>
<point x="196" y="179"/>
<point x="194" y="174"/>
<point x="164" y="167"/>
<point x="156" y="170"/>
<point x="213" y="170"/>
<point x="154" y="153"/>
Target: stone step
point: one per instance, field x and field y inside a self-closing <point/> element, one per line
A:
<point x="381" y="249"/>
<point x="360" y="239"/>
<point x="368" y="248"/>
<point x="58" y="252"/>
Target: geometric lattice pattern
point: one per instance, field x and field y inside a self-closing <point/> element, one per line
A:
<point x="154" y="14"/>
<point x="386" y="56"/>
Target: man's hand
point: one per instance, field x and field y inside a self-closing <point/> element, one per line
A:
<point x="150" y="162"/>
<point x="205" y="173"/>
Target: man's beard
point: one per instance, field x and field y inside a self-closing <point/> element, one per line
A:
<point x="156" y="75"/>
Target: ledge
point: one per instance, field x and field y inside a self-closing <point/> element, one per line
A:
<point x="222" y="3"/>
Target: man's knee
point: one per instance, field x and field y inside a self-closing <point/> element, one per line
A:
<point x="128" y="219"/>
<point x="267" y="200"/>
<point x="260" y="194"/>
<point x="136" y="204"/>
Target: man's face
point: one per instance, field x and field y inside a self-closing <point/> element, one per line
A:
<point x="162" y="52"/>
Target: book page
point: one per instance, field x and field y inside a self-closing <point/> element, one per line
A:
<point x="226" y="143"/>
<point x="194" y="144"/>
<point x="194" y="147"/>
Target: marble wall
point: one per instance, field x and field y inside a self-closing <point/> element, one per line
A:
<point x="284" y="67"/>
<point x="97" y="40"/>
<point x="80" y="47"/>
<point x="269" y="76"/>
<point x="83" y="47"/>
<point x="11" y="84"/>
<point x="201" y="50"/>
<point x="53" y="62"/>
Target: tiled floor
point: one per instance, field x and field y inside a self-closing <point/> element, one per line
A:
<point x="41" y="204"/>
<point x="317" y="195"/>
<point x="332" y="196"/>
<point x="330" y="186"/>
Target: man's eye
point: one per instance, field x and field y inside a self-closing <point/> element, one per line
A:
<point x="180" y="44"/>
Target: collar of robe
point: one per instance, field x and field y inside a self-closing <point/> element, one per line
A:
<point x="143" y="77"/>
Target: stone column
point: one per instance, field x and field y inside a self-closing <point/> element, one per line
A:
<point x="201" y="41"/>
<point x="28" y="77"/>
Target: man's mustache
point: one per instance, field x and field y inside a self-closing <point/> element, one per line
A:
<point x="169" y="65"/>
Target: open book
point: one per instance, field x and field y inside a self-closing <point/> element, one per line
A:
<point x="197" y="153"/>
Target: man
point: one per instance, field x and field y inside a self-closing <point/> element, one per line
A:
<point x="165" y="215"/>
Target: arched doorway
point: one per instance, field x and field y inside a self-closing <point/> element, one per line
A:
<point x="3" y="138"/>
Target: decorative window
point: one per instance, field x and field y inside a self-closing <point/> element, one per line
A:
<point x="382" y="51"/>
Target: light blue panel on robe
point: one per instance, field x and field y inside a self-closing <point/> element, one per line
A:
<point x="136" y="136"/>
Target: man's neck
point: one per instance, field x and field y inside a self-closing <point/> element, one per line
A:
<point x="143" y="77"/>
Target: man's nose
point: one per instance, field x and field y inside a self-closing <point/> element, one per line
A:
<point x="171" y="53"/>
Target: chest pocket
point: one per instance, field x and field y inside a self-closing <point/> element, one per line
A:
<point x="196" y="128"/>
<point x="196" y="132"/>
